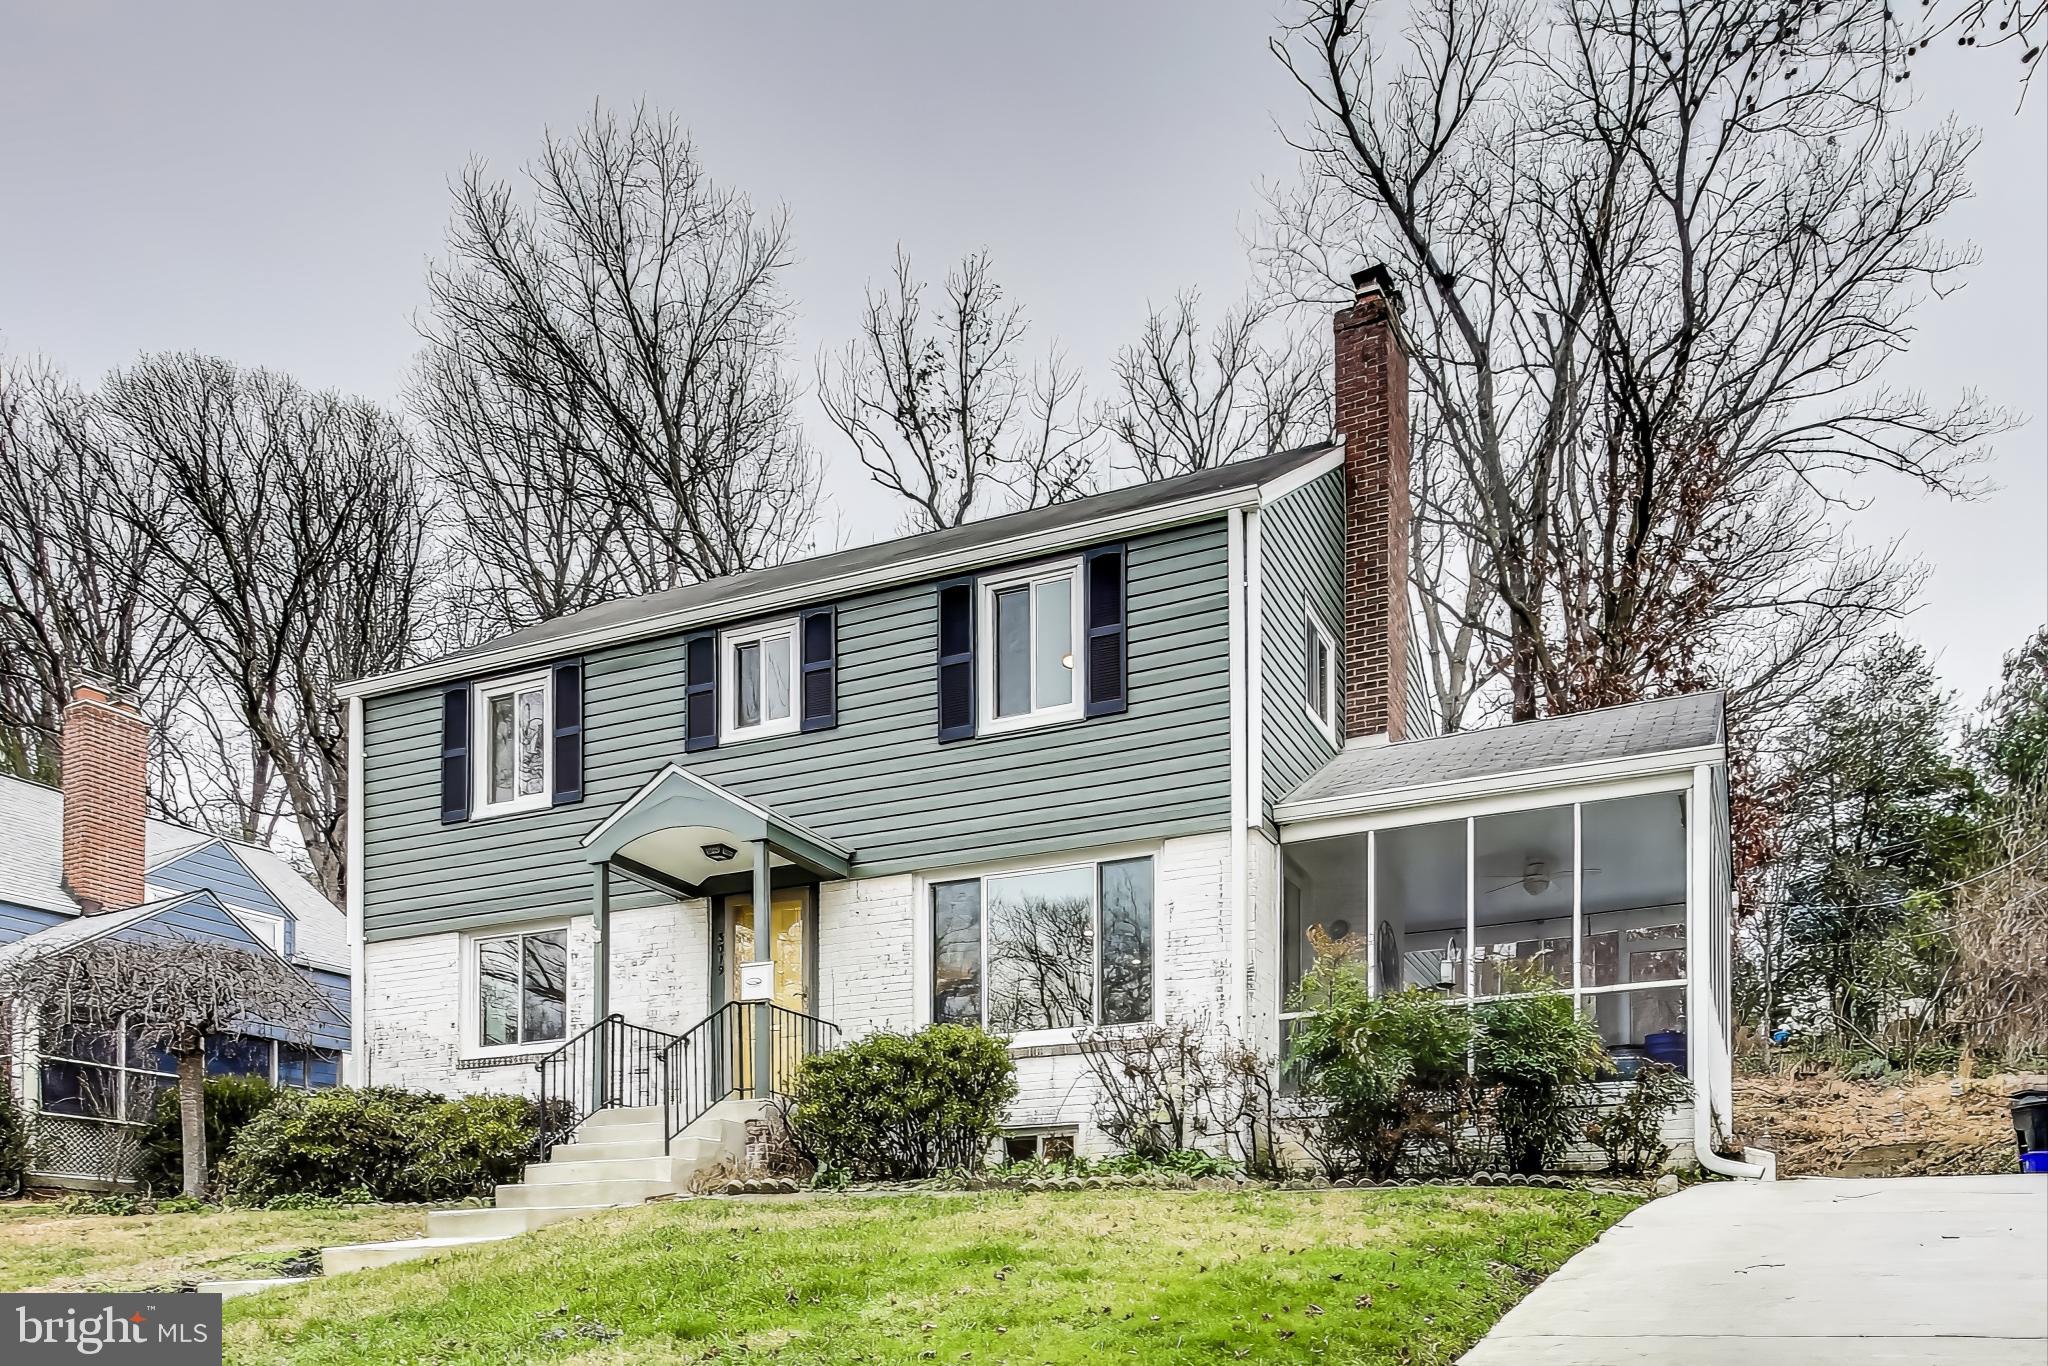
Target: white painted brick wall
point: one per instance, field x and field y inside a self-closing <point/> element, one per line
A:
<point x="866" y="929"/>
<point x="413" y="1009"/>
<point x="661" y="963"/>
<point x="867" y="956"/>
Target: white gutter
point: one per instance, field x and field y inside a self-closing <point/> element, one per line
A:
<point x="760" y="602"/>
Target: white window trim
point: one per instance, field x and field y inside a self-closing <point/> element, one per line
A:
<point x="1327" y="724"/>
<point x="925" y="957"/>
<point x="259" y="923"/>
<point x="987" y="722"/>
<point x="481" y="806"/>
<point x="471" y="1047"/>
<point x="729" y="729"/>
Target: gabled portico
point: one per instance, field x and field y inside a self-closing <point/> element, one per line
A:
<point x="686" y="835"/>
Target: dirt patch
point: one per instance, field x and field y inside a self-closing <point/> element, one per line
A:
<point x="1827" y="1125"/>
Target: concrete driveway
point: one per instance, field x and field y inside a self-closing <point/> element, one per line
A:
<point x="1921" y="1270"/>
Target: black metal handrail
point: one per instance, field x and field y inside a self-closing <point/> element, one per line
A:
<point x="611" y="1063"/>
<point x="744" y="1050"/>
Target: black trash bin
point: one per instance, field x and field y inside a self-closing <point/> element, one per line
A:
<point x="2030" y="1120"/>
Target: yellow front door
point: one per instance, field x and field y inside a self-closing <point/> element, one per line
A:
<point x="786" y="946"/>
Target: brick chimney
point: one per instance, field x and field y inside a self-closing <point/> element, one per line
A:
<point x="1372" y="419"/>
<point x="105" y="751"/>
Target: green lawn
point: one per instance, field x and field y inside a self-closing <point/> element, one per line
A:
<point x="41" y="1249"/>
<point x="1411" y="1275"/>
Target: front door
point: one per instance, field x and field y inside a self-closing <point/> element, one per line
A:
<point x="784" y="943"/>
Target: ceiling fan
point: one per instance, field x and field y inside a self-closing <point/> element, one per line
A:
<point x="1535" y="877"/>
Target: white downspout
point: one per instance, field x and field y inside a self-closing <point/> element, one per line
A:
<point x="1236" y="1001"/>
<point x="357" y="1072"/>
<point x="1710" y="1051"/>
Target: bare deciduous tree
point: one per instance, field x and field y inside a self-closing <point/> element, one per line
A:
<point x="295" y="526"/>
<point x="74" y="571"/>
<point x="1654" y="259"/>
<point x="605" y="382"/>
<point x="171" y="994"/>
<point x="940" y="411"/>
<point x="1190" y="402"/>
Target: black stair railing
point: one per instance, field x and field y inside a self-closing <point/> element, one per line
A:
<point x="609" y="1064"/>
<point x="743" y="1050"/>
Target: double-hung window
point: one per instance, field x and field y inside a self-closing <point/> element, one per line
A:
<point x="1030" y="628"/>
<point x="761" y="697"/>
<point x="510" y="745"/>
<point x="522" y="988"/>
<point x="1319" y="676"/>
<point x="1050" y="949"/>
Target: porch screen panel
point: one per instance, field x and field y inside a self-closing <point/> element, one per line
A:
<point x="1634" y="961"/>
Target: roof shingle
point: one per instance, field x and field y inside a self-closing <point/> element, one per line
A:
<point x="1633" y="730"/>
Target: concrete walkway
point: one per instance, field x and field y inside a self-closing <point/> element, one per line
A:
<point x="1920" y="1270"/>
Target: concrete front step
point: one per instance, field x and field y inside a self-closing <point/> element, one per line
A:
<point x="587" y="1194"/>
<point x="359" y="1256"/>
<point x="671" y="1171"/>
<point x="229" y="1290"/>
<point x="502" y="1223"/>
<point x="603" y="1149"/>
<point x="647" y="1117"/>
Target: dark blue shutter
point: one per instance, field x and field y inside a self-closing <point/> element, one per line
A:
<point x="818" y="671"/>
<point x="1103" y="568"/>
<point x="455" y="755"/>
<point x="956" y="659"/>
<point x="700" y="691"/>
<point x="568" y="737"/>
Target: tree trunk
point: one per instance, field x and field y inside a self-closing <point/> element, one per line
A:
<point x="192" y="1118"/>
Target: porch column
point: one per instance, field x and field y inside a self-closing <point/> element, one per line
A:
<point x="763" y="1024"/>
<point x="601" y="951"/>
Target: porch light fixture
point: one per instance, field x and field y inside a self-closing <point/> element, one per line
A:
<point x="719" y="853"/>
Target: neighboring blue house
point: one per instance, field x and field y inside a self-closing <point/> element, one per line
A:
<point x="89" y="1089"/>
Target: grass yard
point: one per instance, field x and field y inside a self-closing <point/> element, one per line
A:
<point x="1411" y="1275"/>
<point x="41" y="1249"/>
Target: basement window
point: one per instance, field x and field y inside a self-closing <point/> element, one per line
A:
<point x="1039" y="1145"/>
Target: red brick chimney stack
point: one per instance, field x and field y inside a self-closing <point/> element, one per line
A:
<point x="105" y="748"/>
<point x="1372" y="419"/>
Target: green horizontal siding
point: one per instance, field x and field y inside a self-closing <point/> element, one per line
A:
<point x="879" y="783"/>
<point x="1301" y="565"/>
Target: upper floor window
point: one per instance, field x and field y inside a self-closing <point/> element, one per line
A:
<point x="761" y="662"/>
<point x="511" y="717"/>
<point x="1053" y="948"/>
<point x="1319" y="675"/>
<point x="1030" y="626"/>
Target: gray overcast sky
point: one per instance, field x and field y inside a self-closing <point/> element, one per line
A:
<point x="268" y="182"/>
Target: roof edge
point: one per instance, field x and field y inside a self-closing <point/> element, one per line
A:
<point x="1288" y="811"/>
